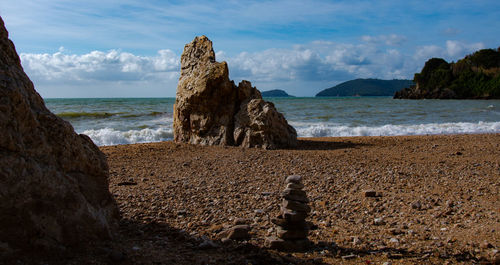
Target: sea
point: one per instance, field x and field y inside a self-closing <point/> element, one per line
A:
<point x="114" y="121"/>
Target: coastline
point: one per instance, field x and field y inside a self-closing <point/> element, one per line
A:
<point x="439" y="198"/>
<point x="127" y="121"/>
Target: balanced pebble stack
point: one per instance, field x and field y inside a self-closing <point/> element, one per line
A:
<point x="292" y="227"/>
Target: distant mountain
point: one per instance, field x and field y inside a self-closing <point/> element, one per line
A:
<point x="477" y="76"/>
<point x="275" y="93"/>
<point x="366" y="87"/>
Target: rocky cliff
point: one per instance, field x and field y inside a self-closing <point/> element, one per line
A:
<point x="211" y="110"/>
<point x="53" y="182"/>
<point x="477" y="76"/>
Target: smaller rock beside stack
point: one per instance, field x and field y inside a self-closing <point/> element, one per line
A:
<point x="239" y="231"/>
<point x="292" y="228"/>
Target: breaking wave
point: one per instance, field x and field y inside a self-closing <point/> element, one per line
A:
<point x="110" y="136"/>
<point x="335" y="130"/>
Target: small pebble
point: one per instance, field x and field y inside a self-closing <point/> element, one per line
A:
<point x="486" y="245"/>
<point x="370" y="193"/>
<point x="294" y="179"/>
<point x="416" y="205"/>
<point x="352" y="256"/>
<point x="258" y="211"/>
<point x="378" y="221"/>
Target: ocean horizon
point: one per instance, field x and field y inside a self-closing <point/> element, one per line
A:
<point x="113" y="121"/>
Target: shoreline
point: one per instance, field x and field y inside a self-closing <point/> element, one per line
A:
<point x="326" y="138"/>
<point x="152" y="120"/>
<point x="439" y="198"/>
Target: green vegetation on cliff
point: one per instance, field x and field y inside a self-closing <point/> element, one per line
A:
<point x="365" y="87"/>
<point x="475" y="76"/>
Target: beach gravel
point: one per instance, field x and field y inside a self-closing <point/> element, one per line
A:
<point x="440" y="201"/>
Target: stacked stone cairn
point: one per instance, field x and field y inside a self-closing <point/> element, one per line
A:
<point x="292" y="230"/>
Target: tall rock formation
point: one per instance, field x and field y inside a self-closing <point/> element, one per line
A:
<point x="53" y="182"/>
<point x="211" y="110"/>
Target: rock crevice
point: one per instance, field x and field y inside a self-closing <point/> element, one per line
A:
<point x="211" y="110"/>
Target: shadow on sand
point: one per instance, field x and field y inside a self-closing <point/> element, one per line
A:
<point x="149" y="242"/>
<point x="142" y="242"/>
<point x="303" y="144"/>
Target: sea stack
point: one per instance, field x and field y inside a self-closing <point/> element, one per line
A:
<point x="211" y="110"/>
<point x="292" y="227"/>
<point x="53" y="182"/>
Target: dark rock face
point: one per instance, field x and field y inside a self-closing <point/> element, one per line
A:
<point x="211" y="110"/>
<point x="414" y="92"/>
<point x="53" y="182"/>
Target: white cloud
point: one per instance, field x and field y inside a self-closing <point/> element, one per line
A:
<point x="277" y="64"/>
<point x="110" y="66"/>
<point x="321" y="61"/>
<point x="312" y="64"/>
<point x="428" y="51"/>
<point x="459" y="49"/>
<point x="452" y="51"/>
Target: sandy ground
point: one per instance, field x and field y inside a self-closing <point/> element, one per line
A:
<point x="439" y="201"/>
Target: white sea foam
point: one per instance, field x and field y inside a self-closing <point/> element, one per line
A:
<point x="110" y="136"/>
<point x="333" y="130"/>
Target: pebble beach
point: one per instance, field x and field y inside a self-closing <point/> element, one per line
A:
<point x="374" y="200"/>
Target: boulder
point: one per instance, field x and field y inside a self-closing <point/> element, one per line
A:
<point x="211" y="110"/>
<point x="236" y="232"/>
<point x="53" y="182"/>
<point x="259" y="124"/>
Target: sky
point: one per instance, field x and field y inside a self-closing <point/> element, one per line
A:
<point x="132" y="48"/>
